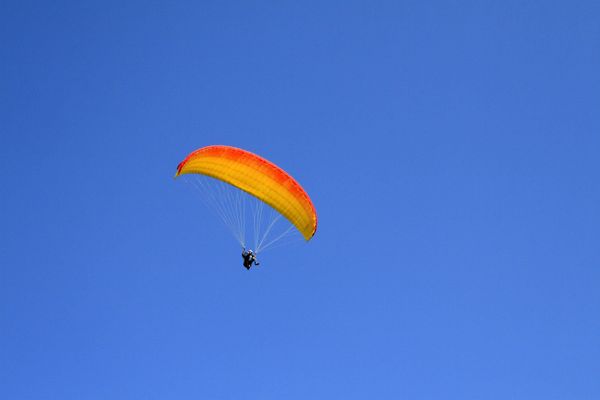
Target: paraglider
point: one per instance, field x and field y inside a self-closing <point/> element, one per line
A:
<point x="249" y="258"/>
<point x="248" y="190"/>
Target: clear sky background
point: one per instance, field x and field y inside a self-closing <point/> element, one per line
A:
<point x="451" y="150"/>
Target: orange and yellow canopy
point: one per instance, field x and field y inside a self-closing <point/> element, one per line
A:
<point x="258" y="177"/>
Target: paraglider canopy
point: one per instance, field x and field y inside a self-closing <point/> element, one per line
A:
<point x="258" y="177"/>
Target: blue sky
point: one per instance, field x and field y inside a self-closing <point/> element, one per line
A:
<point x="451" y="150"/>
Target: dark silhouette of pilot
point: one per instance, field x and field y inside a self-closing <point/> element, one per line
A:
<point x="249" y="258"/>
